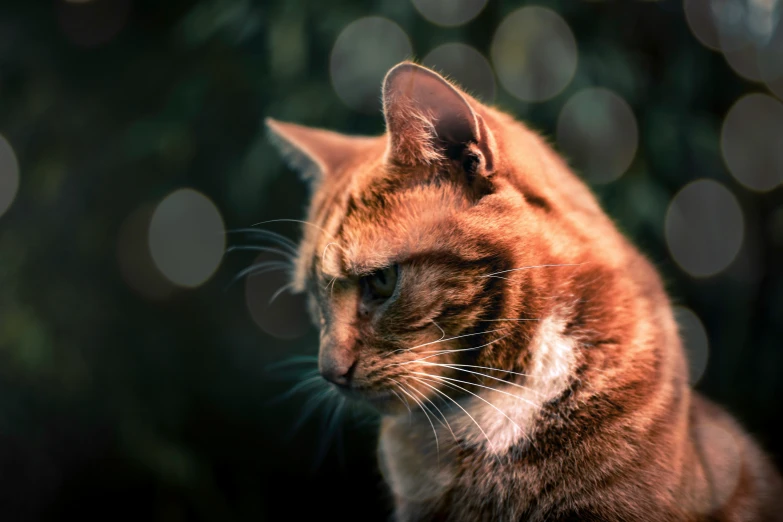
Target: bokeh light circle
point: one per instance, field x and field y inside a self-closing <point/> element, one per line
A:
<point x="466" y="66"/>
<point x="9" y="175"/>
<point x="704" y="228"/>
<point x="702" y="21"/>
<point x="187" y="237"/>
<point x="744" y="31"/>
<point x="365" y="50"/>
<point x="694" y="340"/>
<point x="271" y="303"/>
<point x="744" y="24"/>
<point x="745" y="62"/>
<point x="728" y="25"/>
<point x="137" y="268"/>
<point x="449" y="13"/>
<point x="752" y="141"/>
<point x="597" y="132"/>
<point x="770" y="61"/>
<point x="534" y="53"/>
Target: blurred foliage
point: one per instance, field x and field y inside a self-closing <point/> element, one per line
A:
<point x="120" y="407"/>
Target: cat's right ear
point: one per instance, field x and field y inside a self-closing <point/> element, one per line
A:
<point x="315" y="153"/>
<point x="428" y="119"/>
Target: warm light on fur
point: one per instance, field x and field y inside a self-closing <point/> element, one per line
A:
<point x="534" y="345"/>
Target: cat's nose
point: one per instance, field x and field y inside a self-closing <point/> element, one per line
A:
<point x="337" y="367"/>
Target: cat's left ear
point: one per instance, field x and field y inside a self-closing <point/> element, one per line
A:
<point x="316" y="153"/>
<point x="429" y="120"/>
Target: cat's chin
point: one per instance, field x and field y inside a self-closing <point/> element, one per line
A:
<point x="383" y="401"/>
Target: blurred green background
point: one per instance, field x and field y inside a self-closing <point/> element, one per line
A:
<point x="135" y="381"/>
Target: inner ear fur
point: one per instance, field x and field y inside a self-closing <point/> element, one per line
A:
<point x="429" y="120"/>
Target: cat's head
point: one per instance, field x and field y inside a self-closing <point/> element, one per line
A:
<point x="434" y="247"/>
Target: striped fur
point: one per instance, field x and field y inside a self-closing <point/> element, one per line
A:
<point x="535" y="347"/>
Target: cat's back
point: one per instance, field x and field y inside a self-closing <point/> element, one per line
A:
<point x="736" y="480"/>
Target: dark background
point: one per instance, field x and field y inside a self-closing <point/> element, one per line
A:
<point x="133" y="400"/>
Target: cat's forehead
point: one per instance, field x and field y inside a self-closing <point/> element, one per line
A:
<point x="383" y="219"/>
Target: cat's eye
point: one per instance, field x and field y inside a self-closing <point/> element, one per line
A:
<point x="381" y="283"/>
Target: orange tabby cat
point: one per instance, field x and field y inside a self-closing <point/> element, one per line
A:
<point x="462" y="271"/>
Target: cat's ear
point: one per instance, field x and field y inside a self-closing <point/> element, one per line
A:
<point x="315" y="153"/>
<point x="429" y="120"/>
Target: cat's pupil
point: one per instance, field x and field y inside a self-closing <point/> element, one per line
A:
<point x="381" y="284"/>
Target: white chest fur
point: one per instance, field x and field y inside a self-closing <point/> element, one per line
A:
<point x="419" y="470"/>
<point x="504" y="416"/>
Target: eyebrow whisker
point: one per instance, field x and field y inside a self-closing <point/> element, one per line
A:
<point x="323" y="255"/>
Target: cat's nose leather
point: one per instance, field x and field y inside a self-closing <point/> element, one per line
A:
<point x="337" y="366"/>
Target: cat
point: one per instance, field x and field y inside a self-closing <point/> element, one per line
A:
<point x="522" y="354"/>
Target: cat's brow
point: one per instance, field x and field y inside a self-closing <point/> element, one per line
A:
<point x="363" y="270"/>
<point x="327" y="276"/>
<point x="430" y="257"/>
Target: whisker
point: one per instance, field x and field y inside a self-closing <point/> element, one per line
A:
<point x="300" y="386"/>
<point x="479" y="385"/>
<point x="410" y="413"/>
<point x="484" y="368"/>
<point x="259" y="268"/>
<point x="457" y="367"/>
<point x="517" y="426"/>
<point x="480" y="398"/>
<point x="441" y="340"/>
<point x="331" y="424"/>
<point x="441" y="352"/>
<point x="309" y="408"/>
<point x="401" y="400"/>
<point x="279" y="238"/>
<point x="421" y="405"/>
<point x="441" y="331"/>
<point x="258" y="248"/>
<point x="339" y="435"/>
<point x="264" y="265"/>
<point x="280" y="291"/>
<point x="414" y="390"/>
<point x="323" y="255"/>
<point x="460" y="407"/>
<point x="446" y="425"/>
<point x="437" y="445"/>
<point x="331" y="283"/>
<point x="294" y="221"/>
<point x="495" y="274"/>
